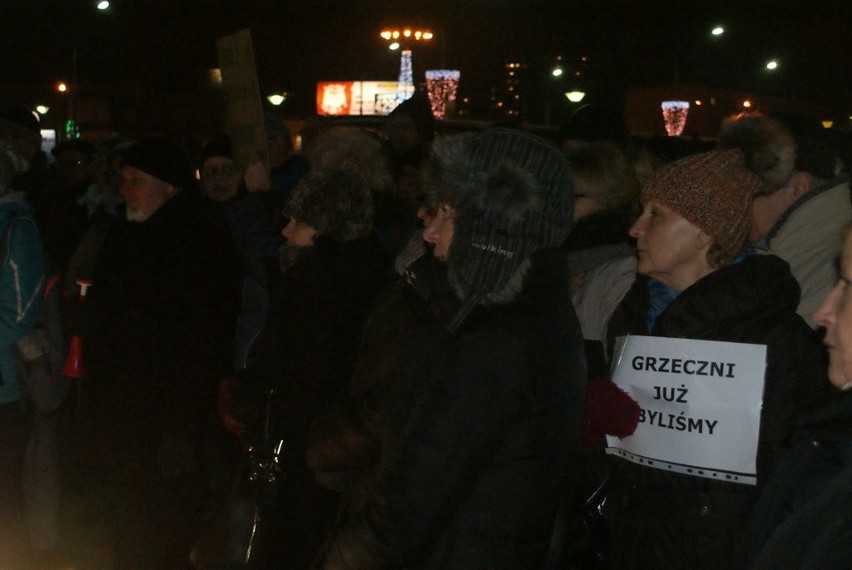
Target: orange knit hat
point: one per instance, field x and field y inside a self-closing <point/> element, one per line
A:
<point x="713" y="190"/>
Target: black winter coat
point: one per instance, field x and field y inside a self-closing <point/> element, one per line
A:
<point x="660" y="519"/>
<point x="804" y="516"/>
<point x="307" y="352"/>
<point x="163" y="308"/>
<point x="490" y="419"/>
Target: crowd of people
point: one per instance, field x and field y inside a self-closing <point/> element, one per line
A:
<point x="394" y="348"/>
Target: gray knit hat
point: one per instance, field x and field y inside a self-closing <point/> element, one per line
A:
<point x="514" y="196"/>
<point x="336" y="203"/>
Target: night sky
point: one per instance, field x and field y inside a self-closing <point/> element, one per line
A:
<point x="168" y="43"/>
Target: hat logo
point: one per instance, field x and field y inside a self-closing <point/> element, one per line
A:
<point x="493" y="249"/>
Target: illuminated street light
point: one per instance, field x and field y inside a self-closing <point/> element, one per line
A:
<point x="394" y="46"/>
<point x="557" y="71"/>
<point x="103" y="5"/>
<point x="772" y="65"/>
<point x="717" y="31"/>
<point x="276" y="98"/>
<point x="61" y="87"/>
<point x="42" y="109"/>
<point x="575" y="96"/>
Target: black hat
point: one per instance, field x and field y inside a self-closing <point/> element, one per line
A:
<point x="74" y="145"/>
<point x="220" y="146"/>
<point x="159" y="158"/>
<point x="21" y="123"/>
<point x="513" y="193"/>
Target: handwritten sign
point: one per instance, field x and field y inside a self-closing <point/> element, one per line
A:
<point x="243" y="108"/>
<point x="701" y="403"/>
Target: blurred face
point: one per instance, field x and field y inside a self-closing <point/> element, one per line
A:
<point x="220" y="178"/>
<point x="299" y="234"/>
<point x="585" y="206"/>
<point x="439" y="230"/>
<point x="671" y="249"/>
<point x="835" y="314"/>
<point x="143" y="193"/>
<point x="767" y="209"/>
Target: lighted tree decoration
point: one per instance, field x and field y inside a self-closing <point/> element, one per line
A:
<point x="674" y="116"/>
<point x="442" y="85"/>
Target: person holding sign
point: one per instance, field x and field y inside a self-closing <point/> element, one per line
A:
<point x="804" y="516"/>
<point x="696" y="281"/>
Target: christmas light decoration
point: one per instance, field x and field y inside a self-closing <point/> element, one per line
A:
<point x="442" y="85"/>
<point x="674" y="116"/>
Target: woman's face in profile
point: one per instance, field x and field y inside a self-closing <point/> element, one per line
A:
<point x="835" y="314"/>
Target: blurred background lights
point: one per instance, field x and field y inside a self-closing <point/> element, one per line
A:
<point x="717" y="31"/>
<point x="772" y="64"/>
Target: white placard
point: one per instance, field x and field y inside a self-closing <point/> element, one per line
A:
<point x="701" y="403"/>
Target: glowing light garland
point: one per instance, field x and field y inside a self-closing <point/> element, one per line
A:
<point x="442" y="85"/>
<point x="674" y="116"/>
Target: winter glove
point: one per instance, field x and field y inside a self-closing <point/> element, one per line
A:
<point x="609" y="410"/>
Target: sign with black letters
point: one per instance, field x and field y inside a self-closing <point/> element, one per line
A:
<point x="701" y="403"/>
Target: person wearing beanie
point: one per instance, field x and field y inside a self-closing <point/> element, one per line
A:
<point x="806" y="201"/>
<point x="486" y="404"/>
<point x="157" y="328"/>
<point x="331" y="269"/>
<point x="219" y="175"/>
<point x="698" y="280"/>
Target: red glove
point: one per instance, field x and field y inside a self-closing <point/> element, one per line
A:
<point x="609" y="411"/>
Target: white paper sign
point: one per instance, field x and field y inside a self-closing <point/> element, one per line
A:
<point x="701" y="403"/>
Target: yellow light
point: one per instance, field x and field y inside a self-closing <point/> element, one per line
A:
<point x="395" y="35"/>
<point x="427" y="35"/>
<point x="417" y="34"/>
<point x="386" y="34"/>
<point x="746" y="103"/>
<point x="827" y="124"/>
<point x="406" y="33"/>
<point x="575" y="96"/>
<point x="61" y="87"/>
<point x="276" y="99"/>
<point x="698" y="102"/>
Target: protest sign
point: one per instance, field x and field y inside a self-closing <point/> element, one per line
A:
<point x="701" y="403"/>
<point x="243" y="108"/>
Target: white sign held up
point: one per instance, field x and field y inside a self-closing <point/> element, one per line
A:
<point x="701" y="403"/>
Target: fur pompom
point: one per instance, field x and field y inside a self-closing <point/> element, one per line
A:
<point x="768" y="147"/>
